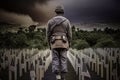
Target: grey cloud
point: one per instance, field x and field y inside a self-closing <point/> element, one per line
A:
<point x="26" y="7"/>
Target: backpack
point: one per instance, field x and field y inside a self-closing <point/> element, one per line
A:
<point x="59" y="40"/>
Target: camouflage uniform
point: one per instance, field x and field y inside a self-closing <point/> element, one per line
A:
<point x="59" y="54"/>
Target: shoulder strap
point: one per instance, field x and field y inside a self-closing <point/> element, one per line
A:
<point x="53" y="26"/>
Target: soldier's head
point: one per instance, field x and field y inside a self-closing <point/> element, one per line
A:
<point x="59" y="10"/>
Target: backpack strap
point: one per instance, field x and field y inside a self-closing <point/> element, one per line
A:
<point x="53" y="26"/>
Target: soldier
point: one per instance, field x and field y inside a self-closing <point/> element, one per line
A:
<point x="59" y="36"/>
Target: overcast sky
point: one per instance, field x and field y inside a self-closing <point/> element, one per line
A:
<point x="40" y="11"/>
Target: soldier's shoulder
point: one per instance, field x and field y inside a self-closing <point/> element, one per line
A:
<point x="62" y="17"/>
<point x="51" y="20"/>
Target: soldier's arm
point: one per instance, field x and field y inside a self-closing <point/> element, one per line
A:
<point x="48" y="32"/>
<point x="69" y="31"/>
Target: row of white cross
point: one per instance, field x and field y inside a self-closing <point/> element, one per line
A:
<point x="23" y="59"/>
<point x="97" y="59"/>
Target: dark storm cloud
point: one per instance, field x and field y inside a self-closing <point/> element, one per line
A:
<point x="75" y="10"/>
<point x="94" y="10"/>
<point x="20" y="6"/>
<point x="26" y="7"/>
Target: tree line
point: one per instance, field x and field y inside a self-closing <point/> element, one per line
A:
<point x="31" y="38"/>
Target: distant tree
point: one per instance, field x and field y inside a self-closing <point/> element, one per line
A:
<point x="38" y="29"/>
<point x="92" y="38"/>
<point x="95" y="29"/>
<point x="99" y="30"/>
<point x="19" y="41"/>
<point x="80" y="44"/>
<point x="20" y="30"/>
<point x="73" y="28"/>
<point x="32" y="28"/>
<point x="78" y="29"/>
<point x="43" y="30"/>
<point x="106" y="29"/>
<point x="105" y="42"/>
<point x="6" y="40"/>
<point x="109" y="30"/>
<point x="116" y="37"/>
<point x="26" y="30"/>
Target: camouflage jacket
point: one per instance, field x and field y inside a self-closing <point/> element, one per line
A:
<point x="56" y="21"/>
